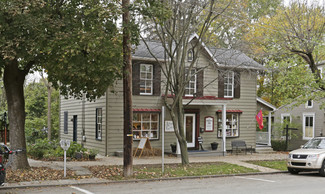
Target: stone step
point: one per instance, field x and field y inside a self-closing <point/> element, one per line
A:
<point x="264" y="149"/>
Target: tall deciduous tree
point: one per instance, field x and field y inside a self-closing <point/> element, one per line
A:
<point x="174" y="23"/>
<point x="76" y="41"/>
<point x="229" y="29"/>
<point x="297" y="29"/>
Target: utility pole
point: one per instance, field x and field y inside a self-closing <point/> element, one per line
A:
<point x="127" y="95"/>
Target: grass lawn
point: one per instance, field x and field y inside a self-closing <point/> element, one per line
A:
<point x="275" y="164"/>
<point x="170" y="170"/>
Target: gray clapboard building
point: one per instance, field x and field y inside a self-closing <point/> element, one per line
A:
<point x="228" y="80"/>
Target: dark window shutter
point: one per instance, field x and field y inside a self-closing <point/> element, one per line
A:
<point x="199" y="83"/>
<point x="136" y="79"/>
<point x="220" y="84"/>
<point x="237" y="84"/>
<point x="96" y="123"/>
<point x="156" y="80"/>
<point x="65" y="122"/>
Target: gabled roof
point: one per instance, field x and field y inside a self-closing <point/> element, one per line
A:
<point x="221" y="57"/>
<point x="260" y="100"/>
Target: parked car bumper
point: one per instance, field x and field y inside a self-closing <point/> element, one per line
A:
<point x="306" y="164"/>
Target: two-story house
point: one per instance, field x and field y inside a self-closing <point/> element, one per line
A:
<point x="228" y="80"/>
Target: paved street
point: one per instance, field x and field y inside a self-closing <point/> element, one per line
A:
<point x="269" y="183"/>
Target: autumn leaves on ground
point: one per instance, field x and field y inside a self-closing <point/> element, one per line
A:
<point x="116" y="172"/>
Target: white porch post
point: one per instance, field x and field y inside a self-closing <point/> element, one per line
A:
<point x="224" y="129"/>
<point x="269" y="128"/>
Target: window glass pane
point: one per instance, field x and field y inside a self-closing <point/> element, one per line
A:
<point x="136" y="117"/>
<point x="146" y="117"/>
<point x="143" y="75"/>
<point x="154" y="126"/>
<point x="154" y="117"/>
<point x="145" y="126"/>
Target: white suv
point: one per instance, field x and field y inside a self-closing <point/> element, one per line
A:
<point x="309" y="157"/>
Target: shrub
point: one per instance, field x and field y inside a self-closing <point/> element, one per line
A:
<point x="278" y="145"/>
<point x="42" y="148"/>
<point x="75" y="147"/>
<point x="39" y="149"/>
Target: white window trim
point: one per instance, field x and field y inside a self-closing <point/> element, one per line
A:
<point x="312" y="104"/>
<point x="99" y="132"/>
<point x="189" y="83"/>
<point x="303" y="125"/>
<point x="151" y="92"/>
<point x="233" y="81"/>
<point x="285" y="115"/>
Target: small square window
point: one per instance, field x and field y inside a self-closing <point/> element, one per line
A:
<point x="309" y="104"/>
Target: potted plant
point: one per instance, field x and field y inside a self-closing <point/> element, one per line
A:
<point x="92" y="154"/>
<point x="173" y="147"/>
<point x="214" y="146"/>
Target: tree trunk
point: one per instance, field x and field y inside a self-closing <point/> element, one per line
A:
<point x="49" y="123"/>
<point x="127" y="95"/>
<point x="14" y="86"/>
<point x="179" y="119"/>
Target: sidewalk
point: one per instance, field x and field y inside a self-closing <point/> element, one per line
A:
<point x="80" y="167"/>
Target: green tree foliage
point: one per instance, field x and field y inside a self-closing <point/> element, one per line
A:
<point x="77" y="42"/>
<point x="286" y="81"/>
<point x="229" y="29"/>
<point x="294" y="35"/>
<point x="36" y="111"/>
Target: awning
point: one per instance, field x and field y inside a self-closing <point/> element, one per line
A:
<point x="230" y="111"/>
<point x="206" y="100"/>
<point x="146" y="110"/>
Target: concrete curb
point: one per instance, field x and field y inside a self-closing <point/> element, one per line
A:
<point x="70" y="182"/>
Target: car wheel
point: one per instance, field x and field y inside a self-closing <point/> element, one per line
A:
<point x="322" y="169"/>
<point x="293" y="170"/>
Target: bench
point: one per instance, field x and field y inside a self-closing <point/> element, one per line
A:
<point x="238" y="145"/>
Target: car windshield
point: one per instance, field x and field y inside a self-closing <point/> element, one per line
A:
<point x="316" y="143"/>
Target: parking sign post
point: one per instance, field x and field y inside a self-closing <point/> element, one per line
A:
<point x="65" y="144"/>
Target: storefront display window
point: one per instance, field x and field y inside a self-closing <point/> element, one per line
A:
<point x="145" y="125"/>
<point x="232" y="125"/>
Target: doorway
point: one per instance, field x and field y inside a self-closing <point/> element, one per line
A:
<point x="75" y="122"/>
<point x="189" y="128"/>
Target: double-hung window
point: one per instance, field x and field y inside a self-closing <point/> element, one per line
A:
<point x="229" y="84"/>
<point x="190" y="88"/>
<point x="145" y="125"/>
<point x="99" y="119"/>
<point x="146" y="79"/>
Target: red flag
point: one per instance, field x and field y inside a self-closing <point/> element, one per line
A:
<point x="259" y="119"/>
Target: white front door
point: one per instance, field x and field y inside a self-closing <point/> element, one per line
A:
<point x="308" y="125"/>
<point x="189" y="128"/>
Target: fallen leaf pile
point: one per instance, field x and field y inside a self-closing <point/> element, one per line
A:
<point x="38" y="174"/>
<point x="106" y="172"/>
